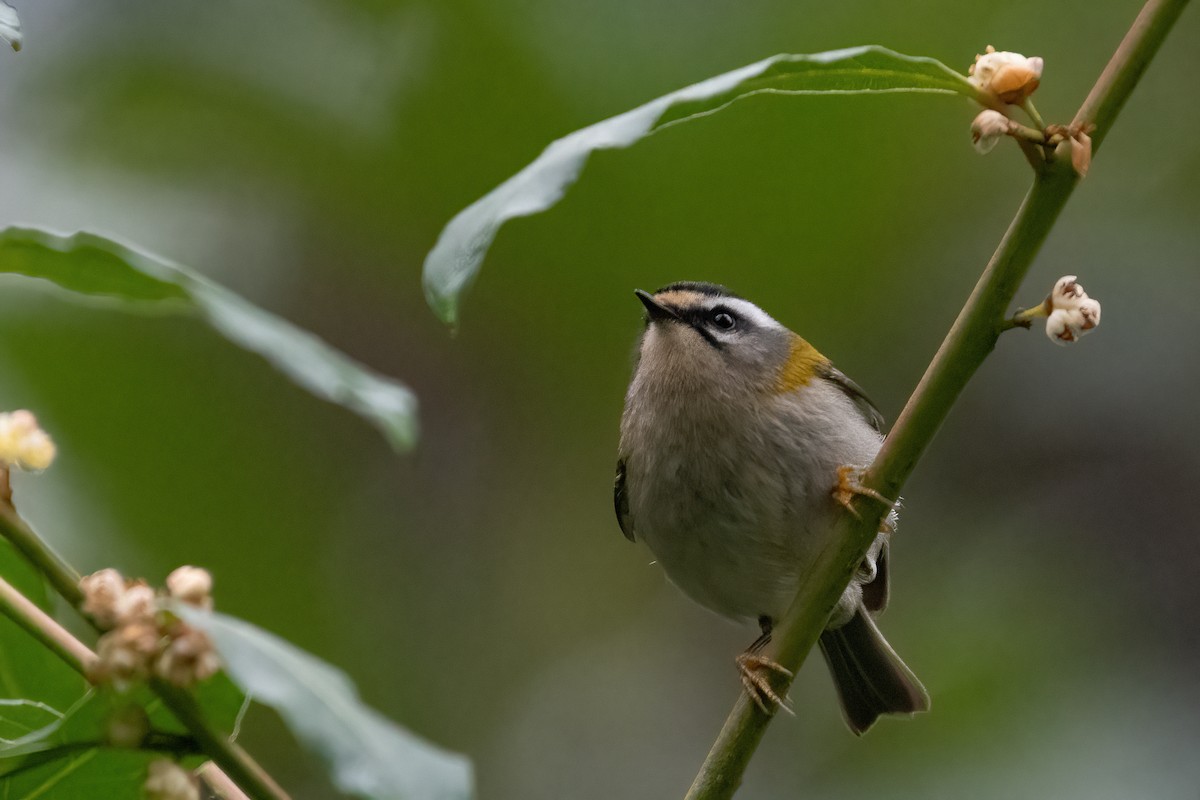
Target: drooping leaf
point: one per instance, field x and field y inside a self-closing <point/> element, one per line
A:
<point x="10" y="26"/>
<point x="91" y="265"/>
<point x="455" y="259"/>
<point x="367" y="754"/>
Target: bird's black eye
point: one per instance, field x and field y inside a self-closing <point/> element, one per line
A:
<point x="724" y="320"/>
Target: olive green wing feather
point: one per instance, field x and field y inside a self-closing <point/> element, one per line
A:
<point x="854" y="392"/>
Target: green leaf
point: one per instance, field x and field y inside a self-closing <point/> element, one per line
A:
<point x="91" y="265"/>
<point x="455" y="260"/>
<point x="69" y="755"/>
<point x="66" y="757"/>
<point x="82" y="723"/>
<point x="27" y="668"/>
<point x="82" y="774"/>
<point x="20" y="717"/>
<point x="10" y="26"/>
<point x="367" y="754"/>
<point x="221" y="700"/>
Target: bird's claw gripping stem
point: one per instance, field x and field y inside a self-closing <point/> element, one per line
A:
<point x="849" y="484"/>
<point x="751" y="667"/>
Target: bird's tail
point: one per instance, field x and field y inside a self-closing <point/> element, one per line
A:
<point x="871" y="679"/>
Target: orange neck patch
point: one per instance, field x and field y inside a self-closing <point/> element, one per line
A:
<point x="800" y="367"/>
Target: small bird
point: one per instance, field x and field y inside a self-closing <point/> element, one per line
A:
<point x="738" y="442"/>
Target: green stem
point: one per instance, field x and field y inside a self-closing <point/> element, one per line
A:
<point x="1033" y="113"/>
<point x="62" y="576"/>
<point x="233" y="760"/>
<point x="970" y="340"/>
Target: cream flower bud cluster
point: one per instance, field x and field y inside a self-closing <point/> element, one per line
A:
<point x="22" y="443"/>
<point x="166" y="780"/>
<point x="141" y="640"/>
<point x="1071" y="313"/>
<point x="1010" y="76"/>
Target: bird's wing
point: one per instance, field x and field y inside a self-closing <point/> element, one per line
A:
<point x="875" y="593"/>
<point x="621" y="502"/>
<point x="855" y="393"/>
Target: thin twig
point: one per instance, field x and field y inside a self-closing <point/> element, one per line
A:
<point x="23" y="611"/>
<point x="968" y="343"/>
<point x="219" y="783"/>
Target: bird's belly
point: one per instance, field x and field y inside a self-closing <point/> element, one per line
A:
<point x="737" y="551"/>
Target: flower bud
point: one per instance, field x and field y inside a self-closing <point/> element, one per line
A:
<point x="1067" y="293"/>
<point x="1072" y="312"/>
<point x="1010" y="76"/>
<point x="1089" y="311"/>
<point x="22" y="443"/>
<point x="137" y="605"/>
<point x="192" y="585"/>
<point x="166" y="780"/>
<point x="189" y="658"/>
<point x="101" y="590"/>
<point x="125" y="654"/>
<point x="988" y="128"/>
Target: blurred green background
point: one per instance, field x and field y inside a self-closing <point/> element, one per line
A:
<point x="306" y="154"/>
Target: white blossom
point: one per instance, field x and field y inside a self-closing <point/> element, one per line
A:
<point x="22" y="443"/>
<point x="1010" y="76"/>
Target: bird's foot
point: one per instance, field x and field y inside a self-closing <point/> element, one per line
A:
<point x="849" y="484"/>
<point x="752" y="669"/>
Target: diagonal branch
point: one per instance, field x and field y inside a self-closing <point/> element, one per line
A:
<point x="970" y="340"/>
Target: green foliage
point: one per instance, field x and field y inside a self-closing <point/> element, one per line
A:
<point x="92" y="265"/>
<point x="72" y="750"/>
<point x="368" y="755"/>
<point x="455" y="259"/>
<point x="67" y="755"/>
<point x="28" y="669"/>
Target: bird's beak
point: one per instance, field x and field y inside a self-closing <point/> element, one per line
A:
<point x="654" y="311"/>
